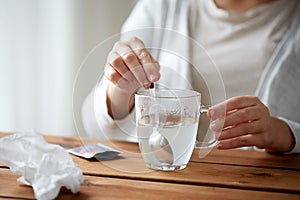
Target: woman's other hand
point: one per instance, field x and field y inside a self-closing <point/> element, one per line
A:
<point x="245" y="121"/>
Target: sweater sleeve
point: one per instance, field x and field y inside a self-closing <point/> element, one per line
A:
<point x="279" y="88"/>
<point x="95" y="106"/>
<point x="290" y="71"/>
<point x="123" y="129"/>
<point x="146" y="21"/>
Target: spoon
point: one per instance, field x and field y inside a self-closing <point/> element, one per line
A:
<point x="161" y="148"/>
<point x="159" y="144"/>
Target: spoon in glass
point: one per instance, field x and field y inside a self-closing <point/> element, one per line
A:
<point x="161" y="148"/>
<point x="158" y="143"/>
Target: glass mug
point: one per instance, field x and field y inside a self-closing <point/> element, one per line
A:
<point x="167" y="123"/>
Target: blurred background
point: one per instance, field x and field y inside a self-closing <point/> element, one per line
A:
<point x="43" y="43"/>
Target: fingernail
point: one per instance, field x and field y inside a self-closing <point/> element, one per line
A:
<point x="211" y="112"/>
<point x="219" y="146"/>
<point x="213" y="125"/>
<point x="152" y="77"/>
<point x="148" y="85"/>
<point x="146" y="82"/>
<point x="217" y="135"/>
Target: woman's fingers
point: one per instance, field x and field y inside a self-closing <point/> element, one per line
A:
<point x="237" y="142"/>
<point x="230" y="105"/>
<point x="235" y="111"/>
<point x="116" y="78"/>
<point x="150" y="65"/>
<point x="258" y="139"/>
<point x="241" y="121"/>
<point x="119" y="66"/>
<point x="133" y="62"/>
<point x="240" y="129"/>
<point x="240" y="116"/>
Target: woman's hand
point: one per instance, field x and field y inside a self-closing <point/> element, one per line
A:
<point x="246" y="121"/>
<point x="129" y="66"/>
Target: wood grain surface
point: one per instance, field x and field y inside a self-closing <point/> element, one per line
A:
<point x="231" y="174"/>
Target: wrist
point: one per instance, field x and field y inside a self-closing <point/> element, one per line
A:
<point x="119" y="102"/>
<point x="283" y="140"/>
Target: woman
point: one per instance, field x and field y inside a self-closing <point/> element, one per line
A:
<point x="255" y="44"/>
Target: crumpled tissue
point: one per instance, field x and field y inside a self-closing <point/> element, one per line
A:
<point x="46" y="167"/>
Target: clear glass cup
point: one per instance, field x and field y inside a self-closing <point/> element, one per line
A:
<point x="167" y="123"/>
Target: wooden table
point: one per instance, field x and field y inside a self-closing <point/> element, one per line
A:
<point x="231" y="174"/>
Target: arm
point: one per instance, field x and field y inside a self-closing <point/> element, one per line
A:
<point x="278" y="89"/>
<point x="129" y="67"/>
<point x="96" y="117"/>
<point x="126" y="55"/>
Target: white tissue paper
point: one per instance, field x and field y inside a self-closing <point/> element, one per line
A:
<point x="46" y="167"/>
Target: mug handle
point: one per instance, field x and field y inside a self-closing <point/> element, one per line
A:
<point x="204" y="108"/>
<point x="211" y="144"/>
